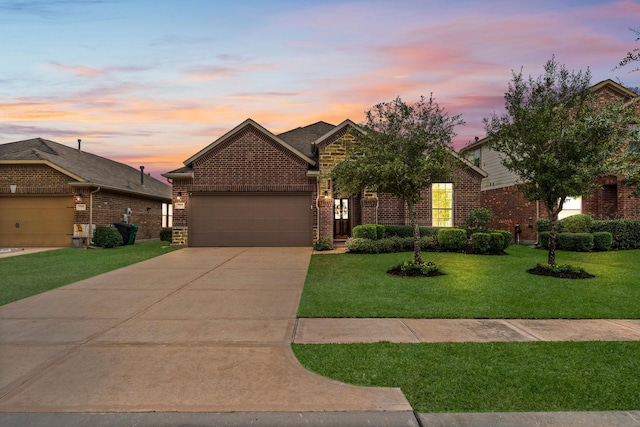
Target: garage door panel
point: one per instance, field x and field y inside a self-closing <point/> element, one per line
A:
<point x="250" y="220"/>
<point x="36" y="221"/>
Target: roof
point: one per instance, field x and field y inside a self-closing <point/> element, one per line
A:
<point x="233" y="132"/>
<point x="303" y="137"/>
<point x="629" y="97"/>
<point x="83" y="168"/>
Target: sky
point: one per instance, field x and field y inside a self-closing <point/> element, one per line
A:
<point x="152" y="82"/>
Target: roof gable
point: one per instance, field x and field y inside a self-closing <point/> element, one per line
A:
<point x="334" y="133"/>
<point x="302" y="137"/>
<point x="83" y="167"/>
<point x="242" y="126"/>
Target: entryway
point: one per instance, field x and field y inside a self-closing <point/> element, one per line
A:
<point x="341" y="219"/>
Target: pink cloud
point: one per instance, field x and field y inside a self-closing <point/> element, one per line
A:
<point x="77" y="70"/>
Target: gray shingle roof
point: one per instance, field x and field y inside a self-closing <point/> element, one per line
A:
<point x="90" y="168"/>
<point x="302" y="137"/>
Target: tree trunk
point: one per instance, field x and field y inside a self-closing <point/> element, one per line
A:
<point x="553" y="236"/>
<point x="417" y="252"/>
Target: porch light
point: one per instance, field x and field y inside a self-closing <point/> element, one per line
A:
<point x="79" y="197"/>
<point x="326" y="194"/>
<point x="179" y="195"/>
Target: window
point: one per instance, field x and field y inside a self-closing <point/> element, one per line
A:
<point x="167" y="215"/>
<point x="476" y="157"/>
<point x="442" y="204"/>
<point x="572" y="206"/>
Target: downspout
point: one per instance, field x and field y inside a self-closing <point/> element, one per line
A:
<point x="91" y="214"/>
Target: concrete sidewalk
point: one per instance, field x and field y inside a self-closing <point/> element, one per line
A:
<point x="324" y="331"/>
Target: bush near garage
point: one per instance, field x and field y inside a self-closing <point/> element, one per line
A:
<point x="107" y="237"/>
<point x="166" y="235"/>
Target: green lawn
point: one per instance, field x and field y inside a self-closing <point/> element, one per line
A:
<point x="490" y="377"/>
<point x="475" y="286"/>
<point x="26" y="275"/>
<point x="481" y="377"/>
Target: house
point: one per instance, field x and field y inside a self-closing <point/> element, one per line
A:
<point x="251" y="187"/>
<point x="50" y="193"/>
<point x="500" y="191"/>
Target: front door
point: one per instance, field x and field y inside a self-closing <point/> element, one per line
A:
<point x="341" y="221"/>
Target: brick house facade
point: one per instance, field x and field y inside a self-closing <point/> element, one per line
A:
<point x="50" y="193"/>
<point x="252" y="187"/>
<point x="500" y="191"/>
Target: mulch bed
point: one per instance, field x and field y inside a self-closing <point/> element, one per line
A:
<point x="541" y="271"/>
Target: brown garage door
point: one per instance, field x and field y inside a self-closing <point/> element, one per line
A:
<point x="27" y="221"/>
<point x="250" y="220"/>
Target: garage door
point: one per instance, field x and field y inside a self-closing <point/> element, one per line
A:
<point x="250" y="220"/>
<point x="36" y="221"/>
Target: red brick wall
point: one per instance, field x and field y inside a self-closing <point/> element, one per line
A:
<point x="509" y="208"/>
<point x="466" y="196"/>
<point x="34" y="179"/>
<point x="250" y="161"/>
<point x="108" y="208"/>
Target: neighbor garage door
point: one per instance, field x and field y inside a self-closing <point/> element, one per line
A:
<point x="234" y="219"/>
<point x="27" y="221"/>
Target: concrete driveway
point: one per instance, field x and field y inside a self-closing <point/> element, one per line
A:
<point x="196" y="330"/>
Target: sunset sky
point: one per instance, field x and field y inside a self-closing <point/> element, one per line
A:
<point x="151" y="82"/>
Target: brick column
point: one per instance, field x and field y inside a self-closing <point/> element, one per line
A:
<point x="325" y="217"/>
<point x="369" y="206"/>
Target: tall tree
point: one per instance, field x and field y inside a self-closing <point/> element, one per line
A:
<point x="632" y="56"/>
<point x="557" y="137"/>
<point x="405" y="148"/>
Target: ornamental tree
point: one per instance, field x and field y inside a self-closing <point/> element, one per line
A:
<point x="556" y="137"/>
<point x="403" y="149"/>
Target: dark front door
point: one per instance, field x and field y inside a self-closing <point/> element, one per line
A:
<point x="341" y="219"/>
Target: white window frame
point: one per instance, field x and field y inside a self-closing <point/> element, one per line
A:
<point x="441" y="216"/>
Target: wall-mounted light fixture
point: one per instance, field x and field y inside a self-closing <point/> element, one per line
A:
<point x="326" y="194"/>
<point x="179" y="195"/>
<point x="148" y="208"/>
<point x="79" y="197"/>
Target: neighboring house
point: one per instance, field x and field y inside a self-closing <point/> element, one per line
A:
<point x="500" y="192"/>
<point x="50" y="193"/>
<point x="251" y="187"/>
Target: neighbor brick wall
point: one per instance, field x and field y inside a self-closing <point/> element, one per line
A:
<point x="108" y="208"/>
<point x="34" y="179"/>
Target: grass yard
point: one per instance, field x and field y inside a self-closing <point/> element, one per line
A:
<point x="27" y="275"/>
<point x="490" y="377"/>
<point x="475" y="286"/>
<point x="481" y="377"/>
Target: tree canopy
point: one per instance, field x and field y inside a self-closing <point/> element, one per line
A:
<point x="403" y="149"/>
<point x="557" y="137"/>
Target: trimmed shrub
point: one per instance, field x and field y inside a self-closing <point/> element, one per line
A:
<point x="452" y="239"/>
<point x="107" y="237"/>
<point x="625" y="232"/>
<point x="507" y="237"/>
<point x="366" y="231"/>
<point x="602" y="241"/>
<point x="496" y="242"/>
<point x="166" y="235"/>
<point x="428" y="243"/>
<point x="579" y="223"/>
<point x="379" y="231"/>
<point x="324" y="243"/>
<point x="576" y="242"/>
<point x="362" y="245"/>
<point x="543" y="225"/>
<point x="481" y="242"/>
<point x="479" y="219"/>
<point x="398" y="230"/>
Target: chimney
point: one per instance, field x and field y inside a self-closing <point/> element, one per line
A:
<point x="141" y="175"/>
<point x="79" y="142"/>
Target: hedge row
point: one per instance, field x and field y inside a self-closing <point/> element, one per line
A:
<point x="579" y="242"/>
<point x="400" y="238"/>
<point x="625" y="232"/>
